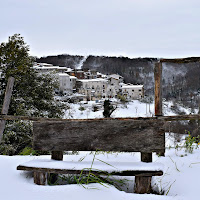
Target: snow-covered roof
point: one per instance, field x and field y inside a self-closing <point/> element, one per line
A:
<point x="63" y="74"/>
<point x="132" y="86"/>
<point x="72" y="77"/>
<point x="116" y="76"/>
<point x="93" y="80"/>
<point x="69" y="69"/>
<point x="52" y="68"/>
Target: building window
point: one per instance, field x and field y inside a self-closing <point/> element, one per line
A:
<point x="139" y="90"/>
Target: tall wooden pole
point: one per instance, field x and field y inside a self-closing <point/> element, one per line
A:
<point x="158" y="88"/>
<point x="6" y="103"/>
<point x="158" y="95"/>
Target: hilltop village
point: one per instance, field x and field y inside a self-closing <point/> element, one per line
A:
<point x="90" y="84"/>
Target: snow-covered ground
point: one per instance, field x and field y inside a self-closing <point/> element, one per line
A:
<point x="131" y="109"/>
<point x="181" y="169"/>
<point x="180" y="180"/>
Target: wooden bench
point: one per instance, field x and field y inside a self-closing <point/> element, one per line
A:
<point x="124" y="135"/>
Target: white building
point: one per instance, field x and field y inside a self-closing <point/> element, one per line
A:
<point x="114" y="81"/>
<point x="95" y="85"/>
<point x="93" y="88"/>
<point x="132" y="91"/>
<point x="67" y="83"/>
<point x="44" y="67"/>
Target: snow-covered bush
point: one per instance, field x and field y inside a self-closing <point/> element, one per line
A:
<point x="17" y="136"/>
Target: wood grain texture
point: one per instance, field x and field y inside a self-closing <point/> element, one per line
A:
<point x="43" y="119"/>
<point x="6" y="103"/>
<point x="40" y="178"/>
<point x="67" y="171"/>
<point x="142" y="185"/>
<point x="181" y="60"/>
<point x="106" y="135"/>
<point x="158" y="88"/>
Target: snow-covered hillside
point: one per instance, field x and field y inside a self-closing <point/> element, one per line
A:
<point x="131" y="109"/>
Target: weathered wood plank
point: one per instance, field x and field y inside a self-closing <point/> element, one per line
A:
<point x="106" y="135"/>
<point x="114" y="173"/>
<point x="6" y="103"/>
<point x="43" y="119"/>
<point x="158" y="88"/>
<point x="181" y="60"/>
<point x="143" y="185"/>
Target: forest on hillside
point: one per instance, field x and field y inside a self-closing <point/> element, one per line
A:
<point x="181" y="82"/>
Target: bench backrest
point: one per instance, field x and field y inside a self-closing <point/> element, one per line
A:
<point x="126" y="135"/>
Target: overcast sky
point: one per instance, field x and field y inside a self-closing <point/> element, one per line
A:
<point x="133" y="28"/>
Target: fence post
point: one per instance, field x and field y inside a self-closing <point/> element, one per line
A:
<point x="158" y="88"/>
<point x="6" y="103"/>
<point x="158" y="94"/>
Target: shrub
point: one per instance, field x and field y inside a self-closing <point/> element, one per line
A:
<point x="191" y="142"/>
<point x="81" y="108"/>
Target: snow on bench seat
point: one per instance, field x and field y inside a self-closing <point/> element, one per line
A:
<point x="74" y="167"/>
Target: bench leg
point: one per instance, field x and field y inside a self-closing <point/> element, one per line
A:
<point x="143" y="184"/>
<point x="40" y="178"/>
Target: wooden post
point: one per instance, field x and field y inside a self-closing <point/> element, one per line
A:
<point x="146" y="157"/>
<point x="143" y="183"/>
<point x="158" y="88"/>
<point x="55" y="155"/>
<point x="6" y="103"/>
<point x="40" y="178"/>
<point x="158" y="94"/>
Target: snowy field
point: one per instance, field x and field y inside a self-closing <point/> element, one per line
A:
<point x="180" y="180"/>
<point x="131" y="109"/>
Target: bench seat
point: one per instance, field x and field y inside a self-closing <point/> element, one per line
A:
<point x="114" y="168"/>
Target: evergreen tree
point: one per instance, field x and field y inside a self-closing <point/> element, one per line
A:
<point x="108" y="109"/>
<point x="33" y="93"/>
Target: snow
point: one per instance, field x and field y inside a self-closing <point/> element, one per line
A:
<point x="181" y="178"/>
<point x="132" y="86"/>
<point x="132" y="109"/>
<point x="112" y="167"/>
<point x="93" y="80"/>
<point x="63" y="74"/>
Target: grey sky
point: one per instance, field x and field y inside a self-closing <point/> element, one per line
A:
<point x="134" y="28"/>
